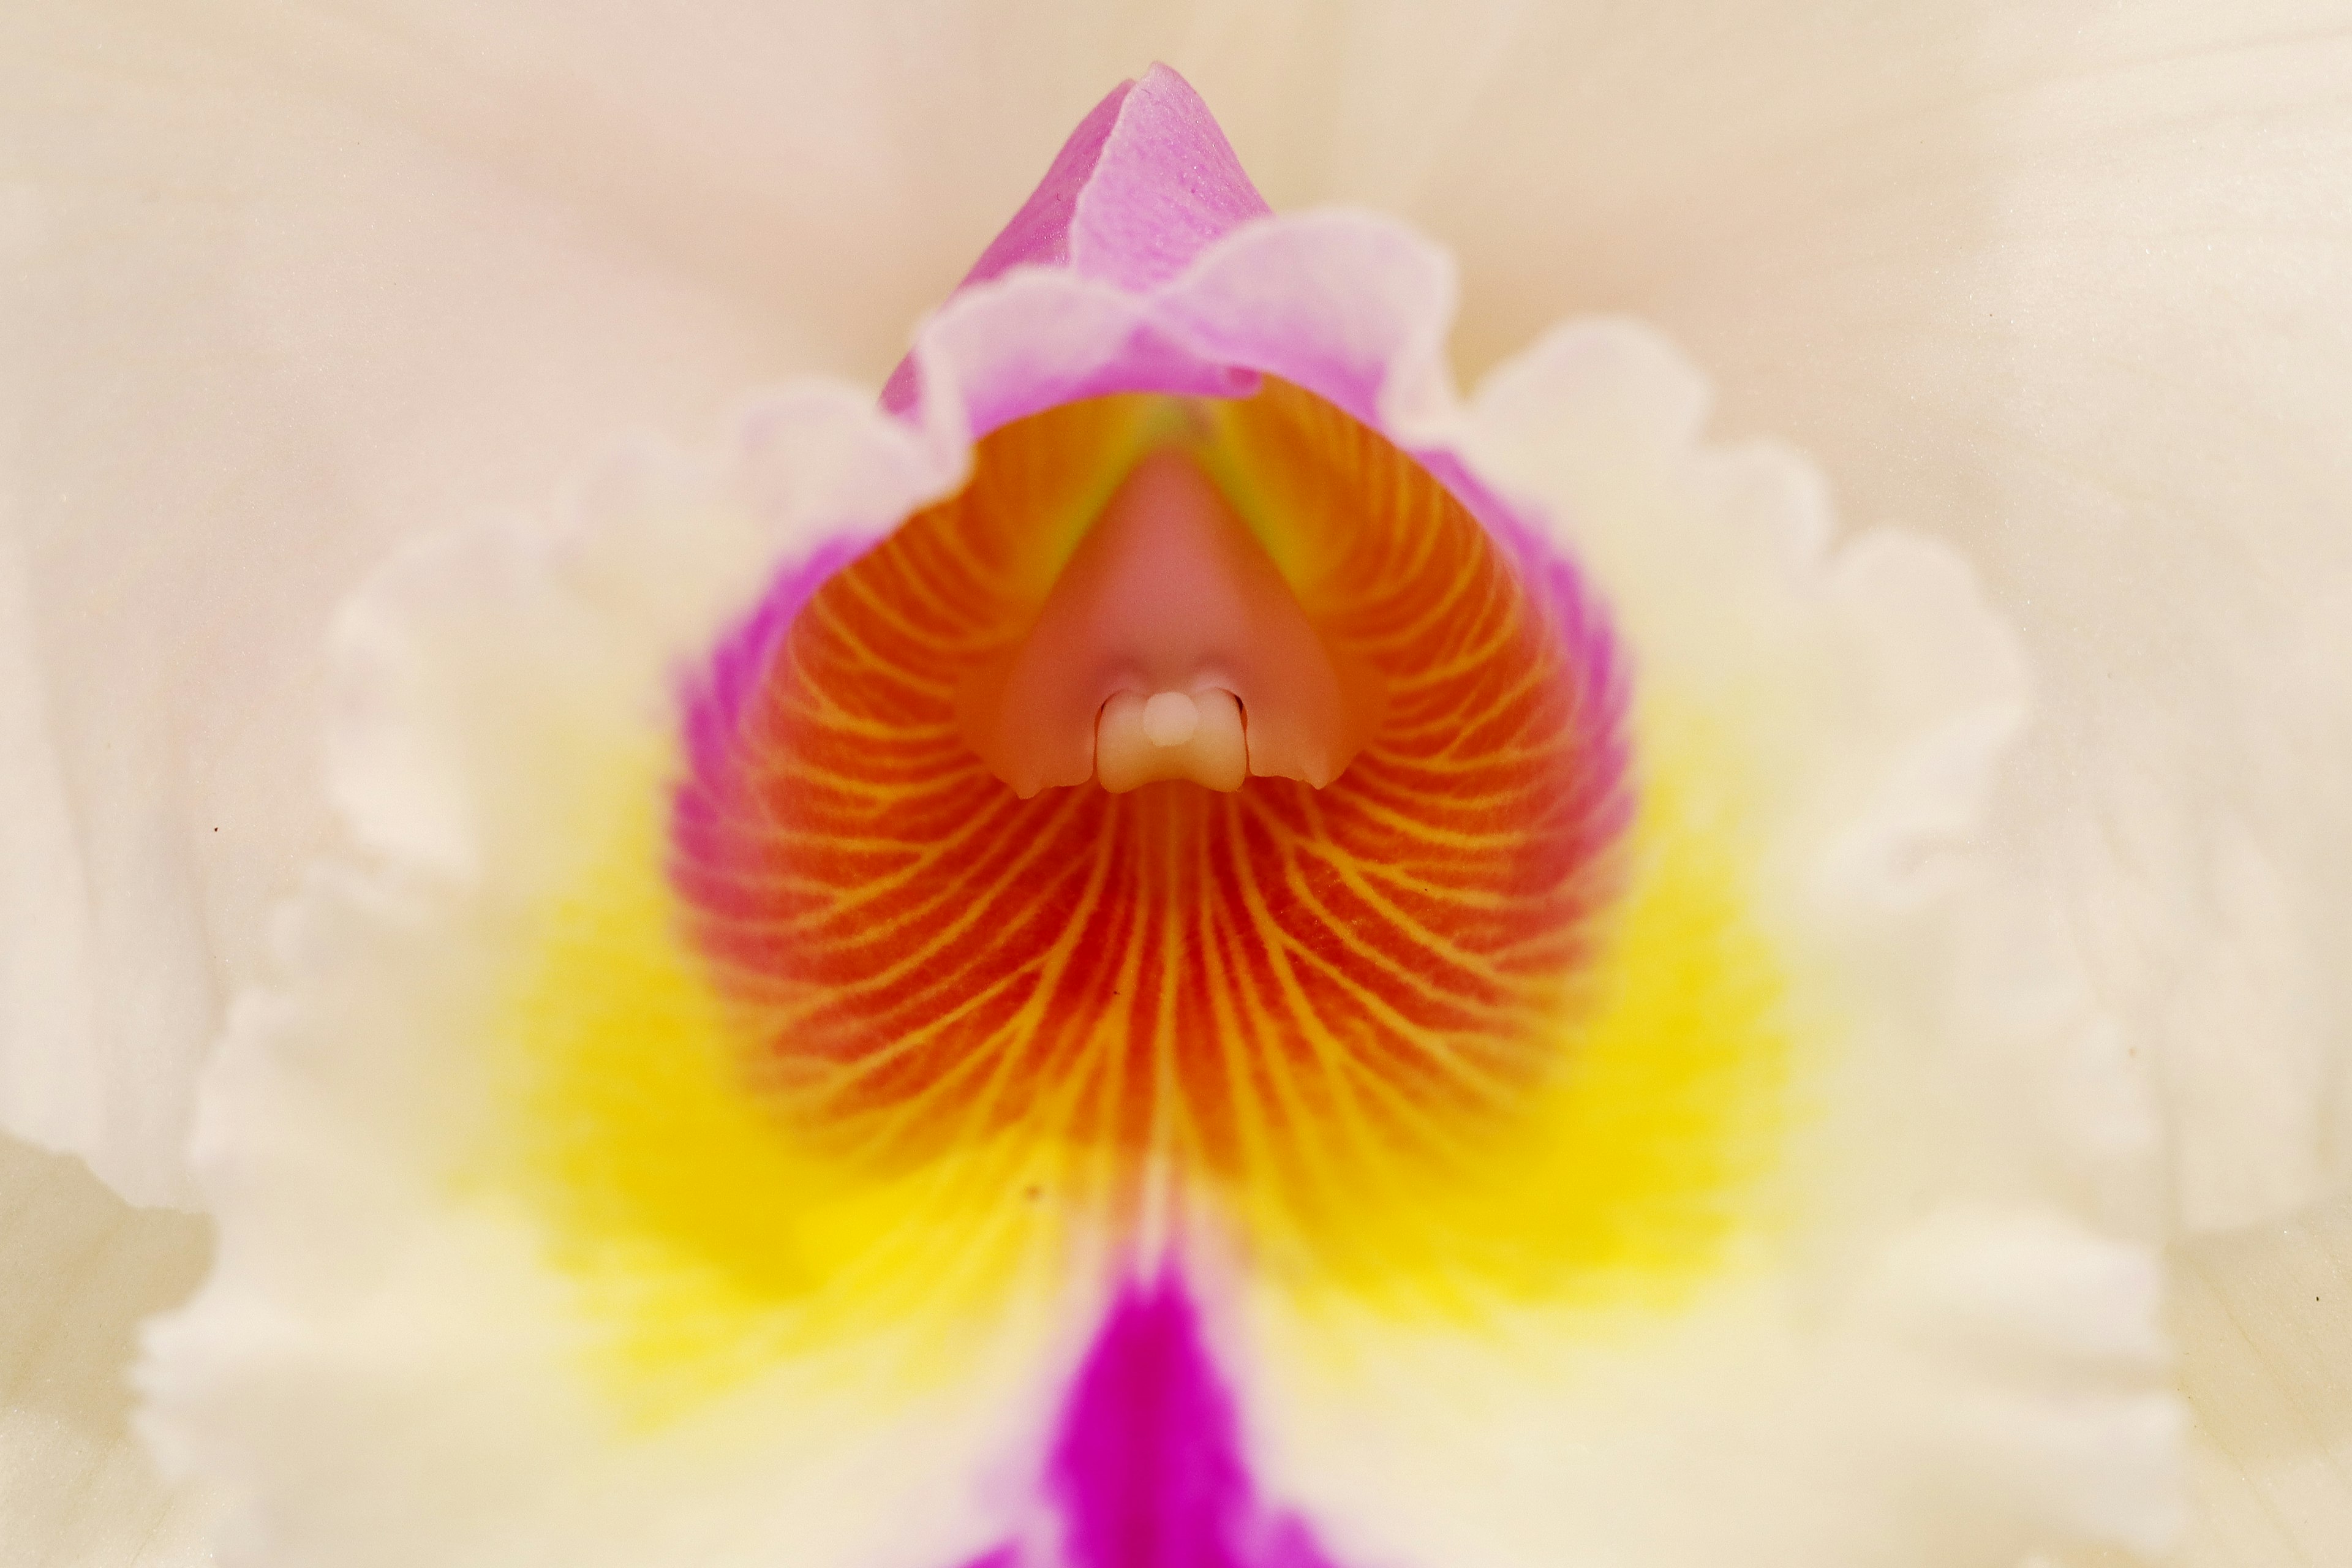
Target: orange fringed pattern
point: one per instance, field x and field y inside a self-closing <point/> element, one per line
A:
<point x="1252" y="987"/>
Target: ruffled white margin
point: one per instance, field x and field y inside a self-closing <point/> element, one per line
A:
<point x="1959" y="1358"/>
<point x="1964" y="1360"/>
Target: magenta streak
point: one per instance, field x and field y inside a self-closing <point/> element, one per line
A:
<point x="716" y="697"/>
<point x="1146" y="1469"/>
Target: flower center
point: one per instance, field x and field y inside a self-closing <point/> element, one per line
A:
<point x="1360" y="941"/>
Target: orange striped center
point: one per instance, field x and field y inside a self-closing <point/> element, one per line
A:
<point x="917" y="959"/>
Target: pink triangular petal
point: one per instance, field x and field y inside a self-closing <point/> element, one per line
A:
<point x="1145" y="184"/>
<point x="1166" y="185"/>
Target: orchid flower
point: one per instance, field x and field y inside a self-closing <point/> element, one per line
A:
<point x="1179" y="945"/>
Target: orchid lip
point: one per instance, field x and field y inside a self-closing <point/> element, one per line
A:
<point x="1169" y="646"/>
<point x="1454" y="1114"/>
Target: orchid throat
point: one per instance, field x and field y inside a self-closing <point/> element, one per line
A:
<point x="1170" y="647"/>
<point x="1407" y="729"/>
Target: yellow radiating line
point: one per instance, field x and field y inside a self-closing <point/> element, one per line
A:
<point x="1372" y="958"/>
<point x="880" y="609"/>
<point x="1416" y="932"/>
<point x="973" y="916"/>
<point x="1345" y="1116"/>
<point x="1412" y="1038"/>
<point x="1057" y="959"/>
<point x="1303" y="1119"/>
<point x="1238" y="1036"/>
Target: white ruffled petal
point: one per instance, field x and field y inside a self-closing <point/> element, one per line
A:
<point x="387" y="1321"/>
<point x="78" y="1269"/>
<point x="2260" y="1317"/>
<point x="1953" y="1309"/>
<point x="2070" y="291"/>
<point x="281" y="292"/>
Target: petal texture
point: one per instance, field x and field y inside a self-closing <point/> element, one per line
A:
<point x="2259" y="1319"/>
<point x="76" y="1271"/>
<point x="269" y="308"/>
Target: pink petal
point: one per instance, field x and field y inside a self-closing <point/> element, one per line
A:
<point x="1166" y="185"/>
<point x="1143" y="186"/>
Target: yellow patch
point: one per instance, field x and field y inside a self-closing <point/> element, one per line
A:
<point x="707" y="1245"/>
<point x="1643" y="1168"/>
